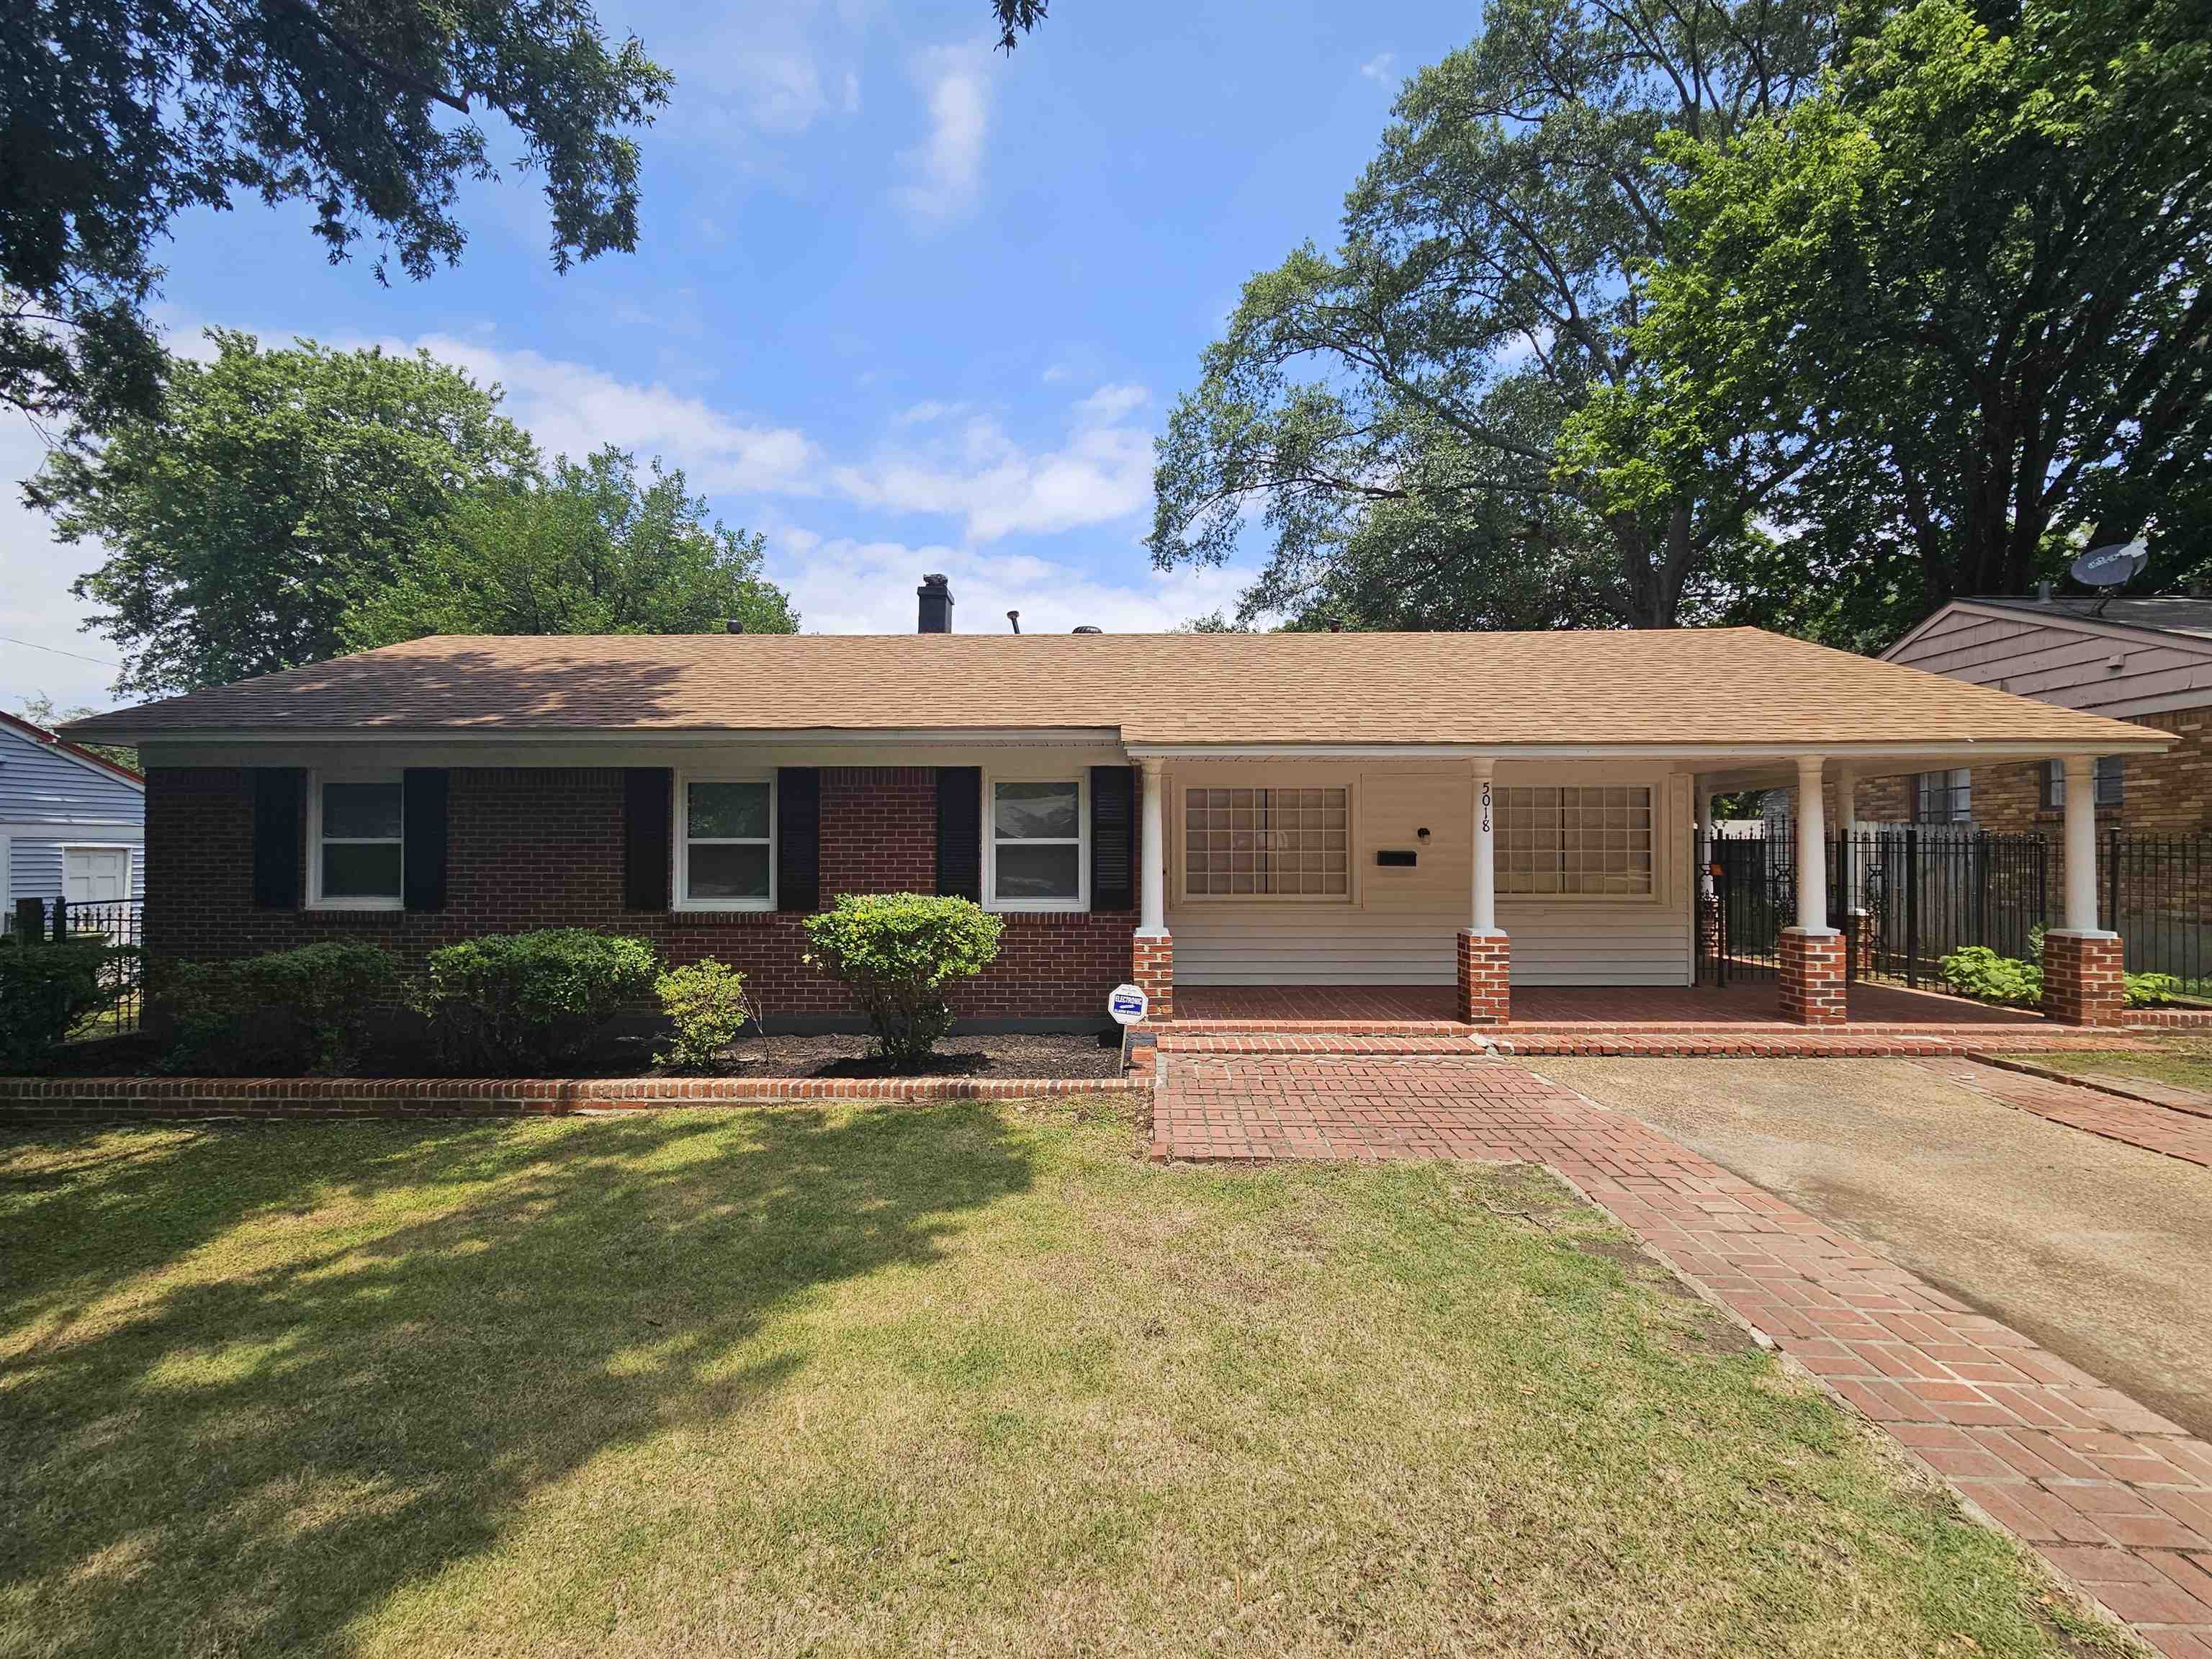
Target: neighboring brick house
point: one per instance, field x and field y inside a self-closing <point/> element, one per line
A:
<point x="2148" y="661"/>
<point x="1473" y="810"/>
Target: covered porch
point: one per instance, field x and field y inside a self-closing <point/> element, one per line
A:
<point x="1568" y="887"/>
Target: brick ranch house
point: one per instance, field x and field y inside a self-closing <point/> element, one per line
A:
<point x="1474" y="810"/>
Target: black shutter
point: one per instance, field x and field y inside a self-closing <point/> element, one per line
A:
<point x="1112" y="839"/>
<point x="960" y="832"/>
<point x="279" y="794"/>
<point x="797" y="838"/>
<point x="646" y="827"/>
<point x="423" y="851"/>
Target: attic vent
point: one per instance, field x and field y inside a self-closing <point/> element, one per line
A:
<point x="1088" y="629"/>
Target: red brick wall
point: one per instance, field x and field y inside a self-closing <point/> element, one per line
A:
<point x="542" y="847"/>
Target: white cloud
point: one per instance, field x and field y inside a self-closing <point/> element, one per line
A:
<point x="1053" y="374"/>
<point x="927" y="412"/>
<point x="945" y="172"/>
<point x="1100" y="472"/>
<point x="849" y="587"/>
<point x="573" y="410"/>
<point x="1377" y="68"/>
<point x="1110" y="403"/>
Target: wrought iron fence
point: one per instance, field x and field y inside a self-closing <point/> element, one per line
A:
<point x="1906" y="897"/>
<point x="120" y="922"/>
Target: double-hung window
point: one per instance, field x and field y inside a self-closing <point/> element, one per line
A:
<point x="726" y="844"/>
<point x="1037" y="845"/>
<point x="356" y="834"/>
<point x="1575" y="842"/>
<point x="1944" y="797"/>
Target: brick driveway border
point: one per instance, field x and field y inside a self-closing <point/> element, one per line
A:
<point x="2115" y="1498"/>
<point x="2175" y="1132"/>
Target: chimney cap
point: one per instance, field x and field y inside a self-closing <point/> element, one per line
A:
<point x="935" y="614"/>
<point x="733" y="625"/>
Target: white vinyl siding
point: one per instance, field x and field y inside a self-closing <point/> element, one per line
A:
<point x="1403" y="923"/>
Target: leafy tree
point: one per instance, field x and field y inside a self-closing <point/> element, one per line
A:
<point x="122" y="113"/>
<point x="1392" y="411"/>
<point x="274" y="489"/>
<point x="1958" y="301"/>
<point x="588" y="549"/>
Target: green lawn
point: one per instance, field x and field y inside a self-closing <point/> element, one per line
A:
<point x="2170" y="1058"/>
<point x="961" y="1379"/>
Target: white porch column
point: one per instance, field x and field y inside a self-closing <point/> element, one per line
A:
<point x="1152" y="890"/>
<point x="2082" y="844"/>
<point x="1482" y="913"/>
<point x="1703" y="797"/>
<point x="1847" y="830"/>
<point x="1812" y="849"/>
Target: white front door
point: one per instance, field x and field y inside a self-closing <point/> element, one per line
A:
<point x="95" y="875"/>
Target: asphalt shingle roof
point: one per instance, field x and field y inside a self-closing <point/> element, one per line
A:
<point x="1733" y="686"/>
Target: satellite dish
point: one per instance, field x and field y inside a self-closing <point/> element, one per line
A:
<point x="2108" y="566"/>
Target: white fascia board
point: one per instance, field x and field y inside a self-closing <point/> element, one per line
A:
<point x="307" y="736"/>
<point x="1741" y="753"/>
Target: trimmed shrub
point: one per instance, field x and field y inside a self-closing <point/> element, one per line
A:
<point x="308" y="1009"/>
<point x="898" y="952"/>
<point x="48" y="988"/>
<point x="706" y="1005"/>
<point x="521" y="1003"/>
<point x="1978" y="971"/>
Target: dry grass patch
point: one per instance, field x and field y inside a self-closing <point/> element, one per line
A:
<point x="963" y="1379"/>
<point x="2159" y="1057"/>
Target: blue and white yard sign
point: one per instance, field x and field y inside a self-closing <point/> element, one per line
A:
<point x="1128" y="1005"/>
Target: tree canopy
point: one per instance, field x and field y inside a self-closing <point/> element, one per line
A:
<point x="587" y="549"/>
<point x="1960" y="300"/>
<point x="274" y="488"/>
<point x="1390" y="411"/>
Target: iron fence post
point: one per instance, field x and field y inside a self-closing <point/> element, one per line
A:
<point x="1913" y="905"/>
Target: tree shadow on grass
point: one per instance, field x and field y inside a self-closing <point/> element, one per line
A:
<point x="246" y="1456"/>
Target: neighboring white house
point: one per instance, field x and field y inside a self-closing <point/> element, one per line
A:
<point x="72" y="824"/>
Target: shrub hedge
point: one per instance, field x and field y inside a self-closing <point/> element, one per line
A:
<point x="521" y="1003"/>
<point x="306" y="1010"/>
<point x="899" y="953"/>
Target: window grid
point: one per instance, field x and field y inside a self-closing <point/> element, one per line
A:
<point x="2111" y="784"/>
<point x="1279" y="843"/>
<point x="1944" y="797"/>
<point x="1574" y="841"/>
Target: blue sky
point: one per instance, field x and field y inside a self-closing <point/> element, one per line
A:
<point x="899" y="303"/>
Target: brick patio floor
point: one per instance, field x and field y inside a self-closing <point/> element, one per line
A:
<point x="2116" y="1498"/>
<point x="1743" y="1003"/>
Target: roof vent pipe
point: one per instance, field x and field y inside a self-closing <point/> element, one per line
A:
<point x="2042" y="592"/>
<point x="1088" y="629"/>
<point x="936" y="617"/>
<point x="1015" y="617"/>
<point x="734" y="625"/>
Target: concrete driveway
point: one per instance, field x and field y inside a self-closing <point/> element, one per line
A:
<point x="2100" y="1251"/>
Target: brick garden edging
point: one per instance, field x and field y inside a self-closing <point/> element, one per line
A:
<point x="108" y="1099"/>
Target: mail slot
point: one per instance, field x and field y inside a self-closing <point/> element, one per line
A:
<point x="1400" y="858"/>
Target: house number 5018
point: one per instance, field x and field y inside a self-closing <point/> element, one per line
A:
<point x="1486" y="806"/>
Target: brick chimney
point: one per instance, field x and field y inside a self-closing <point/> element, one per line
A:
<point x="936" y="606"/>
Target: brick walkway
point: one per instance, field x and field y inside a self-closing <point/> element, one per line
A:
<point x="2176" y="1132"/>
<point x="2113" y="1496"/>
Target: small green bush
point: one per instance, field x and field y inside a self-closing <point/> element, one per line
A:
<point x="706" y="1005"/>
<point x="48" y="988"/>
<point x="2150" y="990"/>
<point x="308" y="1009"/>
<point x="898" y="952"/>
<point x="522" y="1002"/>
<point x="1978" y="971"/>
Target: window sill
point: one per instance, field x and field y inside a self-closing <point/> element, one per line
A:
<point x="749" y="907"/>
<point x="357" y="905"/>
<point x="1068" y="907"/>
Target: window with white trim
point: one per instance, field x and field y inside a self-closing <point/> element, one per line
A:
<point x="726" y="844"/>
<point x="1037" y="844"/>
<point x="1573" y="841"/>
<point x="1268" y="843"/>
<point x="359" y="846"/>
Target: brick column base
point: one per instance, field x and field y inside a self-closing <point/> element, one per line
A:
<point x="1485" y="962"/>
<point x="1151" y="970"/>
<point x="1866" y="930"/>
<point x="1708" y="926"/>
<point x="1810" y="969"/>
<point x="2082" y="982"/>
